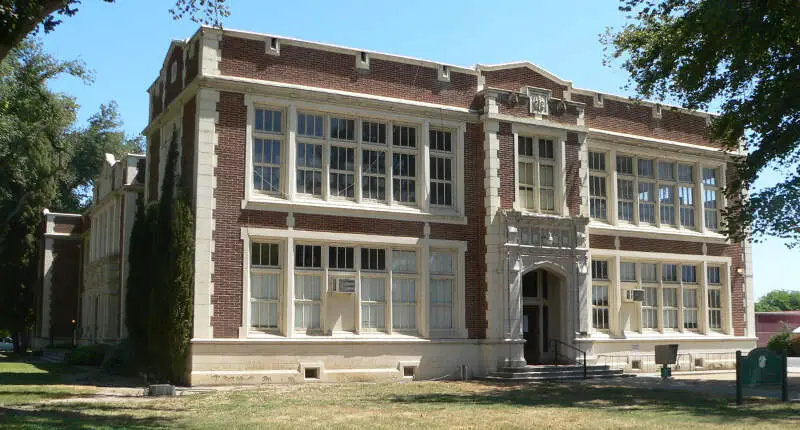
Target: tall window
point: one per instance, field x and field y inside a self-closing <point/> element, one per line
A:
<point x="442" y="290"/>
<point x="600" y="285"/>
<point x="711" y="197"/>
<point x="267" y="143"/>
<point x="373" y="175"/>
<point x="686" y="194"/>
<point x="650" y="302"/>
<point x="404" y="290"/>
<point x="404" y="163"/>
<point x="307" y="286"/>
<point x="309" y="169"/>
<point x="265" y="275"/>
<point x="536" y="165"/>
<point x="625" y="193"/>
<point x="597" y="185"/>
<point x="666" y="192"/>
<point x="714" y="282"/>
<point x="442" y="160"/>
<point x="343" y="168"/>
<point x="373" y="288"/>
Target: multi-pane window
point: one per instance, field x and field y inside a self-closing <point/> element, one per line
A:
<point x="373" y="302"/>
<point x="309" y="169"/>
<point x="307" y="286"/>
<point x="265" y="276"/>
<point x="670" y="306"/>
<point x="404" y="290"/>
<point x="600" y="307"/>
<point x="373" y="259"/>
<point x="442" y="283"/>
<point x="310" y="125"/>
<point x="341" y="258"/>
<point x="536" y="165"/>
<point x="267" y="145"/>
<point x="625" y="193"/>
<point x="711" y="198"/>
<point x="627" y="271"/>
<point x="600" y="288"/>
<point x="442" y="160"/>
<point x="669" y="272"/>
<point x="404" y="136"/>
<point x="650" y="308"/>
<point x="597" y="185"/>
<point x="373" y="175"/>
<point x="714" y="281"/>
<point x="404" y="184"/>
<point x="666" y="192"/>
<point x="343" y="129"/>
<point x="342" y="168"/>
<point x="267" y="165"/>
<point x="373" y="132"/>
<point x="690" y="308"/>
<point x="686" y="194"/>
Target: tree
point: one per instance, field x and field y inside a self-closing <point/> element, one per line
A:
<point x="137" y="294"/>
<point x="45" y="160"/>
<point x="19" y="18"/>
<point x="779" y="300"/>
<point x="743" y="56"/>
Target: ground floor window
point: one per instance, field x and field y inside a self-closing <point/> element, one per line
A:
<point x="600" y="307"/>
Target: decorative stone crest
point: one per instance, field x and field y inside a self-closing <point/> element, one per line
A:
<point x="539" y="100"/>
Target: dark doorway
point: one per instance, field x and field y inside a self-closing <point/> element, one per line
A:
<point x="531" y="332"/>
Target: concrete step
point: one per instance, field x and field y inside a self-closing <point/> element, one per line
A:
<point x="553" y="373"/>
<point x="555" y="377"/>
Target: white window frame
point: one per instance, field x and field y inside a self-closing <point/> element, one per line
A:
<point x="559" y="138"/>
<point x="267" y="270"/>
<point x="288" y="239"/>
<point x="602" y="177"/>
<point x="388" y="209"/>
<point x="447" y="156"/>
<point x="715" y="188"/>
<point x="601" y="281"/>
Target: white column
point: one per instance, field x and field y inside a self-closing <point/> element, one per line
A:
<point x="699" y="208"/>
<point x="749" y="310"/>
<point x="702" y="301"/>
<point x="611" y="187"/>
<point x="288" y="294"/>
<point x="291" y="151"/>
<point x="425" y="195"/>
<point x="423" y="288"/>
<point x="615" y="298"/>
<point x="388" y="294"/>
<point x="47" y="285"/>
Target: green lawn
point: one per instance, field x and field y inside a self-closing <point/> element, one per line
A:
<point x="26" y="402"/>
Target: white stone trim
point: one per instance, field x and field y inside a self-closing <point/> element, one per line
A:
<point x="559" y="157"/>
<point x="205" y="203"/>
<point x="660" y="256"/>
<point x="618" y="138"/>
<point x="47" y="286"/>
<point x="649" y="232"/>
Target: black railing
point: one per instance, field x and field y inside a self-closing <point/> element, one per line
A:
<point x="557" y="342"/>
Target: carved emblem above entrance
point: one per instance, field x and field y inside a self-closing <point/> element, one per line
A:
<point x="539" y="100"/>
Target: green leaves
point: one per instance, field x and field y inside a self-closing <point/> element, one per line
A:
<point x="779" y="300"/>
<point x="742" y="56"/>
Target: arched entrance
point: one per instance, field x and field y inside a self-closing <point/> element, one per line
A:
<point x="541" y="314"/>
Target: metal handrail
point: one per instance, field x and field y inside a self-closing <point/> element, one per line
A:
<point x="557" y="342"/>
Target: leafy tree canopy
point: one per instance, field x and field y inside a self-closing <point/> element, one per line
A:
<point x="18" y="18"/>
<point x="742" y="55"/>
<point x="779" y="300"/>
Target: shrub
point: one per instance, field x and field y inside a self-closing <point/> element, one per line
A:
<point x="794" y="346"/>
<point x="89" y="355"/>
<point x="780" y="342"/>
<point x="120" y="359"/>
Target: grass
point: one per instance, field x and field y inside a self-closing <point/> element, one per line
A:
<point x="32" y="403"/>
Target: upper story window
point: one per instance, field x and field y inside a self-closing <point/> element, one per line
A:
<point x="536" y="174"/>
<point x="711" y="197"/>
<point x="352" y="159"/>
<point x="442" y="161"/>
<point x="657" y="192"/>
<point x="598" y="204"/>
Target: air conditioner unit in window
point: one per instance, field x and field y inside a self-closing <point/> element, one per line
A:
<point x="343" y="285"/>
<point x="634" y="295"/>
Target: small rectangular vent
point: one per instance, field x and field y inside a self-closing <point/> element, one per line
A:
<point x="311" y="372"/>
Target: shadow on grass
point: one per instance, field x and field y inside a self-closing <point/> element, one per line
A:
<point x="581" y="395"/>
<point x="44" y="373"/>
<point x="59" y="416"/>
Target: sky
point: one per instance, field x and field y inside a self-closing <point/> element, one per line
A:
<point x="124" y="43"/>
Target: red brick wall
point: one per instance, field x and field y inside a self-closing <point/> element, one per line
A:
<point x="153" y="153"/>
<point x="65" y="286"/>
<point x="514" y="79"/>
<point x="507" y="165"/>
<point x="632" y="118"/>
<point x="306" y="66"/>
<point x="172" y="89"/>
<point x="230" y="218"/>
<point x="156" y="102"/>
<point x="188" y="144"/>
<point x="734" y="251"/>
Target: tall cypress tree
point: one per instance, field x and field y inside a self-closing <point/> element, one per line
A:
<point x="137" y="296"/>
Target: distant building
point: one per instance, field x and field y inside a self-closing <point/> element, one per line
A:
<point x="84" y="261"/>
<point x="769" y="324"/>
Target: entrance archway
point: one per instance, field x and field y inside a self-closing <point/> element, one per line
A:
<point x="541" y="314"/>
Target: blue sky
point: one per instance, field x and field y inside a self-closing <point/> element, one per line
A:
<point x="125" y="44"/>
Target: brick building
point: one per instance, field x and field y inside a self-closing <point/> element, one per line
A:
<point x="365" y="216"/>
